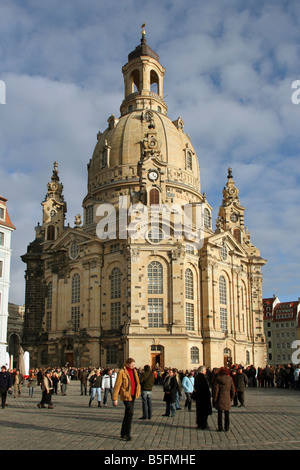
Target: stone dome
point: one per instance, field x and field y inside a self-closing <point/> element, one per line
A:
<point x="125" y="141"/>
<point x="143" y="138"/>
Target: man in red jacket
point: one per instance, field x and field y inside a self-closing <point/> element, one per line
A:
<point x="128" y="385"/>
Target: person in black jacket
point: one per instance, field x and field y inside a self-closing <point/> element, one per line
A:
<point x="96" y="382"/>
<point x="5" y="384"/>
<point x="147" y="382"/>
<point x="203" y="398"/>
<point x="241" y="382"/>
<point x="170" y="386"/>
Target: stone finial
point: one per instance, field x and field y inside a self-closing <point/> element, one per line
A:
<point x="77" y="220"/>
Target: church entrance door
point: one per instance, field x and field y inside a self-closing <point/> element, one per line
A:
<point x="69" y="359"/>
<point x="157" y="356"/>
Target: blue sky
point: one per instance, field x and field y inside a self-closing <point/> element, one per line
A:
<point x="229" y="71"/>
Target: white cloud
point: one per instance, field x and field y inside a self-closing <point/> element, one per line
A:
<point x="228" y="75"/>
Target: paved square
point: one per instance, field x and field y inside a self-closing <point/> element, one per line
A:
<point x="269" y="421"/>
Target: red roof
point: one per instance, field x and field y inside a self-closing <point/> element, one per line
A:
<point x="7" y="221"/>
<point x="285" y="311"/>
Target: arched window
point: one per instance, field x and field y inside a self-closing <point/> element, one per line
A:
<point x="207" y="218"/>
<point x="51" y="232"/>
<point x="155" y="278"/>
<point x="75" y="309"/>
<point x="194" y="355"/>
<point x="49" y="307"/>
<point x="222" y="290"/>
<point x="154" y="82"/>
<point x="223" y="301"/>
<point x="247" y="357"/>
<point x="189" y="284"/>
<point x="135" y="81"/>
<point x="237" y="235"/>
<point x="189" y="160"/>
<point x="89" y="215"/>
<point x="115" y="283"/>
<point x="74" y="250"/>
<point x="153" y="196"/>
<point x="103" y="158"/>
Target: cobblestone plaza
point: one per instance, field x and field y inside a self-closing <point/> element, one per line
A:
<point x="269" y="421"/>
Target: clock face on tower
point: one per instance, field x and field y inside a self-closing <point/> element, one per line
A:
<point x="234" y="217"/>
<point x="153" y="175"/>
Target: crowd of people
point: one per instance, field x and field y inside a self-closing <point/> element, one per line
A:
<point x="219" y="388"/>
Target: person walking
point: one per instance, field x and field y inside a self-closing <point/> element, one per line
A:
<point x="241" y="382"/>
<point x="18" y="380"/>
<point x="83" y="375"/>
<point x="234" y="398"/>
<point x="96" y="382"/>
<point x="128" y="385"/>
<point x="223" y="391"/>
<point x="147" y="381"/>
<point x="64" y="380"/>
<point x="108" y="383"/>
<point x="5" y="385"/>
<point x="188" y="388"/>
<point x="202" y="398"/>
<point x="179" y="389"/>
<point x="32" y="383"/>
<point x="47" y="390"/>
<point x="170" y="387"/>
<point x="55" y="380"/>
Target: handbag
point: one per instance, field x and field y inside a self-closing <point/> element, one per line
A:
<point x="193" y="394"/>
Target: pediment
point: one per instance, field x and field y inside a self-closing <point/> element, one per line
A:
<point x="69" y="236"/>
<point x="231" y="243"/>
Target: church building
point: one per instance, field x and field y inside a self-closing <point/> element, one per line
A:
<point x="117" y="285"/>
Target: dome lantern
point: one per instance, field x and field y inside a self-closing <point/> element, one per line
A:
<point x="143" y="80"/>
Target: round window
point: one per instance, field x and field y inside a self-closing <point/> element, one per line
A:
<point x="74" y="251"/>
<point x="155" y="235"/>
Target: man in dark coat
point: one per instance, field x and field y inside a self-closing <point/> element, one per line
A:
<point x="241" y="382"/>
<point x="203" y="398"/>
<point x="5" y="384"/>
<point x="83" y="380"/>
<point x="170" y="387"/>
<point x="147" y="382"/>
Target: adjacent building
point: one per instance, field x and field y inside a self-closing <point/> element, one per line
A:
<point x="6" y="229"/>
<point x="282" y="330"/>
<point x="116" y="284"/>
